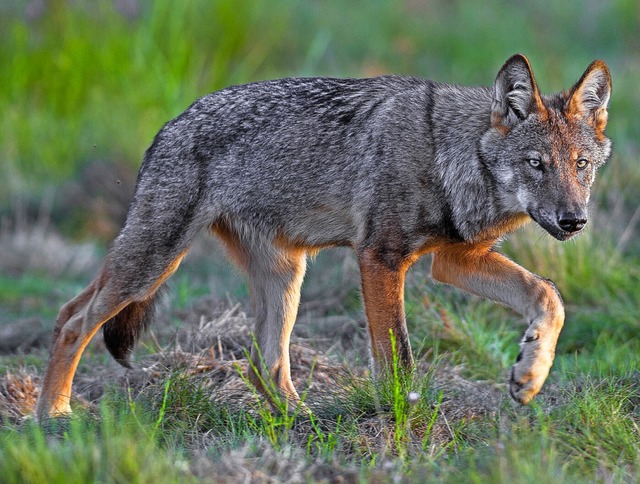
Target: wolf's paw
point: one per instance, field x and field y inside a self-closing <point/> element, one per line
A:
<point x="524" y="384"/>
<point x="43" y="413"/>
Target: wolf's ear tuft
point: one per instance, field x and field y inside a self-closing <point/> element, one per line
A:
<point x="515" y="94"/>
<point x="589" y="98"/>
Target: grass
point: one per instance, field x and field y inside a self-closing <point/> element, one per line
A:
<point x="113" y="448"/>
<point x="62" y="79"/>
<point x="589" y="432"/>
<point x="87" y="84"/>
<point x="70" y="95"/>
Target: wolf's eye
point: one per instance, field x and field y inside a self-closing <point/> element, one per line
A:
<point x="582" y="163"/>
<point x="535" y="162"/>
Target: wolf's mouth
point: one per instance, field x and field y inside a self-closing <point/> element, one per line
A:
<point x="552" y="226"/>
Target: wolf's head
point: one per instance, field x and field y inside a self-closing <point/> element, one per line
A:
<point x="544" y="151"/>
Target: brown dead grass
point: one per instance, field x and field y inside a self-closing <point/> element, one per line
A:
<point x="209" y="348"/>
<point x="18" y="395"/>
<point x="210" y="345"/>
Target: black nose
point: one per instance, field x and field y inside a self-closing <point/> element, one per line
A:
<point x="571" y="222"/>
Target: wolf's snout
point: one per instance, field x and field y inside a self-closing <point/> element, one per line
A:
<point x="572" y="222"/>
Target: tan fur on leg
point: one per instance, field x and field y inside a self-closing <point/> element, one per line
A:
<point x="383" y="293"/>
<point x="481" y="271"/>
<point x="77" y="323"/>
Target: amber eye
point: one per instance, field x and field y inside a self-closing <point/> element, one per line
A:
<point x="582" y="163"/>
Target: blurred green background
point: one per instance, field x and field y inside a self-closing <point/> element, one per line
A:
<point x="84" y="86"/>
<point x="82" y="82"/>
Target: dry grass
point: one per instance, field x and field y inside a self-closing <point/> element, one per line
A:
<point x="200" y="342"/>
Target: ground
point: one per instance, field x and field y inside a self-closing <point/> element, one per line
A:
<point x="188" y="382"/>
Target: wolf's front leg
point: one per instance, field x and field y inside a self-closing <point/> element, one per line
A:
<point x="383" y="293"/>
<point x="489" y="274"/>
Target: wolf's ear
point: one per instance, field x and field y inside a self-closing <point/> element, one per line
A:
<point x="515" y="94"/>
<point x="588" y="99"/>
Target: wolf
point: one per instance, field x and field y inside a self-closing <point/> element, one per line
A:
<point x="393" y="167"/>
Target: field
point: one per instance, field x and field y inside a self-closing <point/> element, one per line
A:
<point x="85" y="88"/>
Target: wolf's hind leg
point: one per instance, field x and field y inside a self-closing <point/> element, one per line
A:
<point x="79" y="320"/>
<point x="143" y="256"/>
<point x="489" y="274"/>
<point x="275" y="276"/>
<point x="76" y="324"/>
<point x="275" y="281"/>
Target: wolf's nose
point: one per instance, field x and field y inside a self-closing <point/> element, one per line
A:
<point x="571" y="222"/>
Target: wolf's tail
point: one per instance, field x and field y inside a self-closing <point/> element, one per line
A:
<point x="121" y="333"/>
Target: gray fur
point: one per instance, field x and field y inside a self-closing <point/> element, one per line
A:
<point x="338" y="161"/>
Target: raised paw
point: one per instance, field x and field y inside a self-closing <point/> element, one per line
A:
<point x="526" y="380"/>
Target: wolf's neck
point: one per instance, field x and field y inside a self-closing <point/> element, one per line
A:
<point x="460" y="116"/>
